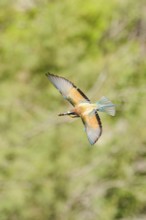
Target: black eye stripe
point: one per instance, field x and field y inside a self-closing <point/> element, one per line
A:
<point x="72" y="113"/>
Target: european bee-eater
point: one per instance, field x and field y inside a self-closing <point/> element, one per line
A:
<point x="82" y="107"/>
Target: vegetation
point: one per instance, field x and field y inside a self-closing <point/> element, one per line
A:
<point x="48" y="170"/>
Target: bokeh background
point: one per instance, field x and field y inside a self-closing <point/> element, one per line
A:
<point x="48" y="170"/>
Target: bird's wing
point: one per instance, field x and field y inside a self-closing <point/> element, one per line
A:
<point x="93" y="126"/>
<point x="69" y="91"/>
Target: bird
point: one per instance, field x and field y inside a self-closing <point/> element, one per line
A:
<point x="82" y="106"/>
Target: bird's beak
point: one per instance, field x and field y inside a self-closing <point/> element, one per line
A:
<point x="72" y="114"/>
<point x="62" y="114"/>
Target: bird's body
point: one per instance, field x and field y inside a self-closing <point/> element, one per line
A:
<point x="83" y="108"/>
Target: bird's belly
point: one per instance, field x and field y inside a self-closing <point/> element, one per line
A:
<point x="84" y="109"/>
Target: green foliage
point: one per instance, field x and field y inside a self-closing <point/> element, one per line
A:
<point x="47" y="168"/>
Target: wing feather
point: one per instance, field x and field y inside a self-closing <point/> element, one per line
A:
<point x="93" y="126"/>
<point x="69" y="91"/>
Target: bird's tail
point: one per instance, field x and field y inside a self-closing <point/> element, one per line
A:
<point x="105" y="105"/>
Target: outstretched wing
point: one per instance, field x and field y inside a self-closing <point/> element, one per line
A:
<point x="93" y="126"/>
<point x="69" y="91"/>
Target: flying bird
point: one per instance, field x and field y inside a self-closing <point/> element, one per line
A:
<point x="82" y="107"/>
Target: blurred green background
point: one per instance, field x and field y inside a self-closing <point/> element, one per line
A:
<point x="48" y="170"/>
